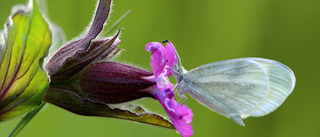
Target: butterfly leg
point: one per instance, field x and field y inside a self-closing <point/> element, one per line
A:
<point x="183" y="97"/>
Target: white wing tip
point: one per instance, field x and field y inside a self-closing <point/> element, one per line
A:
<point x="238" y="120"/>
<point x="281" y="85"/>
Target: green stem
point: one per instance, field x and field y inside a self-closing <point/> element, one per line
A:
<point x="114" y="25"/>
<point x="26" y="119"/>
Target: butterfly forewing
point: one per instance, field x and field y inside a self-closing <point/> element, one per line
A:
<point x="240" y="87"/>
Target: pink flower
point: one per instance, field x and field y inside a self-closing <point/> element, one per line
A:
<point x="162" y="60"/>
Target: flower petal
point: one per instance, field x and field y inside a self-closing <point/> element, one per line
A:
<point x="180" y="115"/>
<point x="162" y="61"/>
<point x="171" y="57"/>
<point x="158" y="57"/>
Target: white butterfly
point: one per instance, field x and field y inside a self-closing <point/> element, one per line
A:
<point x="237" y="88"/>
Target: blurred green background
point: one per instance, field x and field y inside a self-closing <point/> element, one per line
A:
<point x="203" y="31"/>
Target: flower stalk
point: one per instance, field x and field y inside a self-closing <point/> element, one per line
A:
<point x="26" y="119"/>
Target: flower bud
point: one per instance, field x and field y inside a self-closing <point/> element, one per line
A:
<point x="112" y="82"/>
<point x="103" y="83"/>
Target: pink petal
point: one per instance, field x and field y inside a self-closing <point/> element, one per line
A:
<point x="171" y="57"/>
<point x="162" y="60"/>
<point x="180" y="115"/>
<point x="158" y="57"/>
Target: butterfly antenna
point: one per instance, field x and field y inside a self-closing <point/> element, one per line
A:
<point x="175" y="51"/>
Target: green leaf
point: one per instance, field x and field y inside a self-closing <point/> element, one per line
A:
<point x="27" y="38"/>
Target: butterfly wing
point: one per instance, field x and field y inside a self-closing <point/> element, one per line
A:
<point x="239" y="88"/>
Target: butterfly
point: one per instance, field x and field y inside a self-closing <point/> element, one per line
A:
<point x="236" y="88"/>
